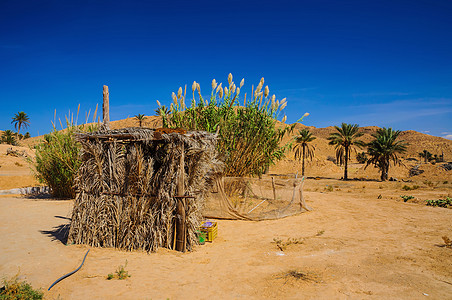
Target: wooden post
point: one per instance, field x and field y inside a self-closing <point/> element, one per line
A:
<point x="181" y="237"/>
<point x="106" y="108"/>
<point x="273" y="187"/>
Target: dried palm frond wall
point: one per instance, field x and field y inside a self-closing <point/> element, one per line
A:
<point x="127" y="183"/>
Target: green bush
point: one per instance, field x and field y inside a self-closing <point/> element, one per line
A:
<point x="57" y="162"/>
<point x="14" y="289"/>
<point x="249" y="137"/>
<point x="406" y="198"/>
<point x="440" y="202"/>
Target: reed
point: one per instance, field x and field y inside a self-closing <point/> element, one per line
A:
<point x="249" y="140"/>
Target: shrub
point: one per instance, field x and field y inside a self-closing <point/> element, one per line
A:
<point x="8" y="137"/>
<point x="361" y="157"/>
<point x="249" y="141"/>
<point x="120" y="273"/>
<point x="14" y="289"/>
<point x="409" y="188"/>
<point x="331" y="158"/>
<point x="406" y="198"/>
<point x="440" y="202"/>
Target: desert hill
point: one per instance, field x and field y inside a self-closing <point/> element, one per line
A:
<point x="320" y="165"/>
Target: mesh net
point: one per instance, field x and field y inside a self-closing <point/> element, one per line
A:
<point x="255" y="198"/>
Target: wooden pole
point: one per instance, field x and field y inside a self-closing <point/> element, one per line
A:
<point x="181" y="243"/>
<point x="273" y="187"/>
<point x="106" y="107"/>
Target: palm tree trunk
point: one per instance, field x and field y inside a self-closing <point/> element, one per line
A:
<point x="346" y="164"/>
<point x="302" y="167"/>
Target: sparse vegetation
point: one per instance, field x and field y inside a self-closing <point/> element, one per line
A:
<point x="409" y="188"/>
<point x="406" y="198"/>
<point x="361" y="157"/>
<point x="447" y="242"/>
<point x="282" y="245"/>
<point x="344" y="140"/>
<point x="120" y="273"/>
<point x="447" y="202"/>
<point x="14" y="289"/>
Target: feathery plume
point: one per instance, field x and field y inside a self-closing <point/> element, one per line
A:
<point x="225" y="91"/>
<point x="173" y="95"/>
<point x="242" y="82"/>
<point x="283" y="105"/>
<point x="284" y="119"/>
<point x="158" y="103"/>
<point x="233" y="88"/>
<point x="238" y="91"/>
<point x="230" y="78"/>
<point x="219" y="87"/>
<point x="266" y="91"/>
<point x="221" y="93"/>
<point x="179" y="93"/>
<point x="193" y="86"/>
<point x="214" y="84"/>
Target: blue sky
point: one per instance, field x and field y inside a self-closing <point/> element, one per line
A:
<point x="382" y="63"/>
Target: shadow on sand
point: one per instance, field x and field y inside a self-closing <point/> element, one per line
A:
<point x="58" y="233"/>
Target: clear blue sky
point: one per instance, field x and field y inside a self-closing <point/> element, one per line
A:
<point x="383" y="63"/>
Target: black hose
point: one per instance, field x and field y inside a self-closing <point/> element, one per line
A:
<point x="69" y="274"/>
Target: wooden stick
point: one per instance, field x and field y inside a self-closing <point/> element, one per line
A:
<point x="180" y="207"/>
<point x="106" y="107"/>
<point x="273" y="186"/>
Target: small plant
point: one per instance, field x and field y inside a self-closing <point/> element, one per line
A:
<point x="440" y="202"/>
<point x="446" y="182"/>
<point x="361" y="157"/>
<point x="282" y="245"/>
<point x="428" y="183"/>
<point x="409" y="188"/>
<point x="320" y="232"/>
<point x="15" y="289"/>
<point x="447" y="242"/>
<point x="332" y="159"/>
<point x="18" y="164"/>
<point x="329" y="188"/>
<point x="406" y="198"/>
<point x="120" y="273"/>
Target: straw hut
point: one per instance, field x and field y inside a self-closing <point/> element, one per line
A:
<point x="140" y="188"/>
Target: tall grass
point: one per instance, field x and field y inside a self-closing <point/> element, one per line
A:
<point x="249" y="138"/>
<point x="57" y="157"/>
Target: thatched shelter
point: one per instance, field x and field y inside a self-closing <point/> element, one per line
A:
<point x="139" y="188"/>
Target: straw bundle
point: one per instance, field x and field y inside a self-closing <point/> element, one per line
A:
<point x="127" y="183"/>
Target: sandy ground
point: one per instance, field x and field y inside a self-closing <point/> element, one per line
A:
<point x="352" y="246"/>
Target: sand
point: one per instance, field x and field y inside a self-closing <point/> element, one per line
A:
<point x="353" y="245"/>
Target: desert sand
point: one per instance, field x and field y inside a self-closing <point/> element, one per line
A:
<point x="360" y="241"/>
<point x="353" y="245"/>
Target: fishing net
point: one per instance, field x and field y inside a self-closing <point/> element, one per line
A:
<point x="255" y="198"/>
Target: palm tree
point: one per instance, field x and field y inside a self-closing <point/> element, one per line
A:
<point x="384" y="148"/>
<point x="20" y="119"/>
<point x="302" y="148"/>
<point x="162" y="111"/>
<point x="344" y="140"/>
<point x="140" y="118"/>
<point x="8" y="137"/>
